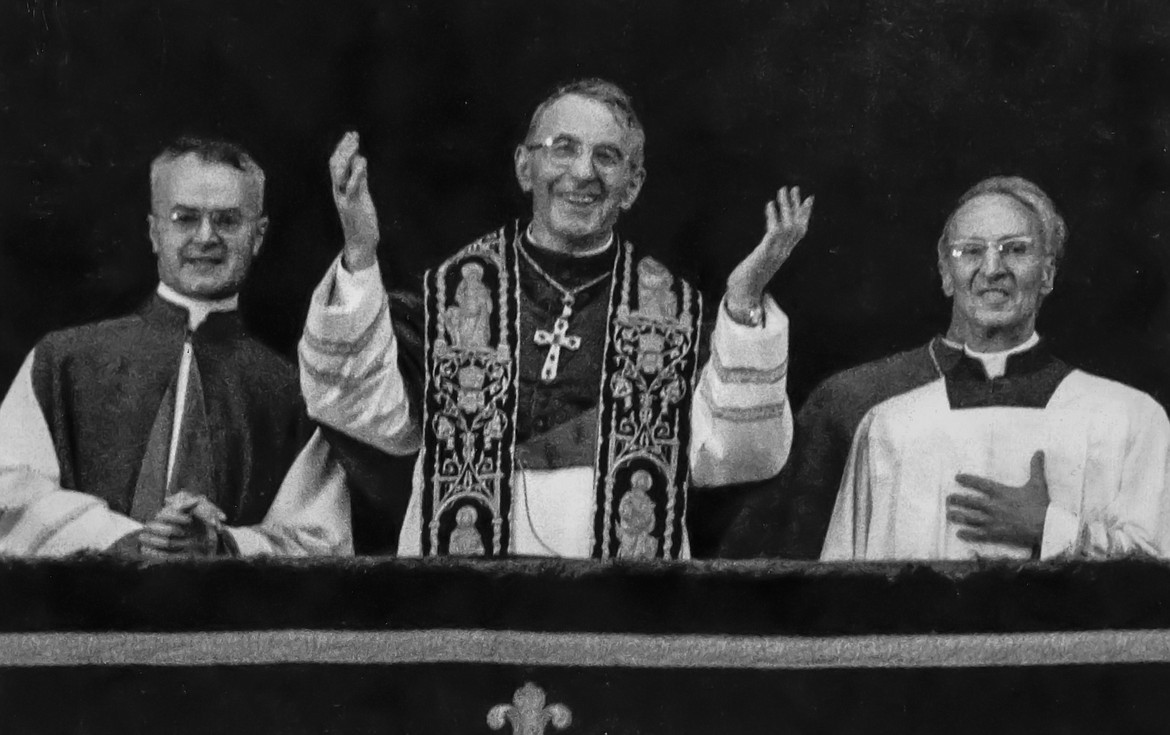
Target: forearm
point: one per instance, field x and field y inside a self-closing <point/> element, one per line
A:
<point x="37" y="515"/>
<point x="40" y="518"/>
<point x="1136" y="518"/>
<point x="311" y="512"/>
<point x="1101" y="536"/>
<point x="741" y="422"/>
<point x="349" y="363"/>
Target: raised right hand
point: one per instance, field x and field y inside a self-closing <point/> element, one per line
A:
<point x="351" y="195"/>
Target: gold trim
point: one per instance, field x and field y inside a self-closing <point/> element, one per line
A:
<point x="347" y="348"/>
<point x="470" y="436"/>
<point x="766" y="412"/>
<point x="650" y="370"/>
<point x="752" y="376"/>
<point x="598" y="650"/>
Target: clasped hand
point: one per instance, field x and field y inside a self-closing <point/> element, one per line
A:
<point x="187" y="525"/>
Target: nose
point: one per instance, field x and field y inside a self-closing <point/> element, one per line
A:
<point x="582" y="166"/>
<point x="992" y="263"/>
<point x="206" y="231"/>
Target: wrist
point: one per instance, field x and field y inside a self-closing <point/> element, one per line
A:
<point x="744" y="308"/>
<point x="127" y="545"/>
<point x="225" y="544"/>
<point x="359" y="257"/>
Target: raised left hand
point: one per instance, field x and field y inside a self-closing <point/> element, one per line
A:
<point x="188" y="525"/>
<point x="787" y="219"/>
<point x="1001" y="513"/>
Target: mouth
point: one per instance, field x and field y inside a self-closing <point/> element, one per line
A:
<point x="204" y="261"/>
<point x="994" y="295"/>
<point x="580" y="198"/>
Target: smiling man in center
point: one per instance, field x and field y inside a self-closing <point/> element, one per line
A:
<point x="553" y="372"/>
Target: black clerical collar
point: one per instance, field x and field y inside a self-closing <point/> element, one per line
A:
<point x="1029" y="380"/>
<point x="945" y="354"/>
<point x="197" y="309"/>
<point x="169" y="315"/>
<point x="1024" y="362"/>
<point x="567" y="269"/>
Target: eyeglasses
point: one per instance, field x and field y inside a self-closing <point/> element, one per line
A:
<point x="1012" y="249"/>
<point x="225" y="222"/>
<point x="562" y="150"/>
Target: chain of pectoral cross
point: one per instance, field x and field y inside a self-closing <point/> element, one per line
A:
<point x="559" y="336"/>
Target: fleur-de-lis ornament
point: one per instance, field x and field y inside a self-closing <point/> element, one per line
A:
<point x="527" y="713"/>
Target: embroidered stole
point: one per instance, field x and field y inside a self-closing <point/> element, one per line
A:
<point x="472" y="352"/>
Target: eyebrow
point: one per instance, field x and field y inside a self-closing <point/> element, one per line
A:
<point x="999" y="237"/>
<point x="574" y="136"/>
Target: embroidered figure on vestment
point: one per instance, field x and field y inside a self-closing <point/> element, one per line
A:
<point x="636" y="520"/>
<point x="472" y="356"/>
<point x="467" y="321"/>
<point x="651" y="366"/>
<point x="465" y="539"/>
<point x="470" y="399"/>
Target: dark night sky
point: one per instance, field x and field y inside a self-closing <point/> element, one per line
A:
<point x="886" y="110"/>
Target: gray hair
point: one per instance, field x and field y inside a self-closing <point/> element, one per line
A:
<point x="607" y="93"/>
<point x="210" y="150"/>
<point x="1053" y="231"/>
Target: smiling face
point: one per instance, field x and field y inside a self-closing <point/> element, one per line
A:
<point x="206" y="226"/>
<point x="576" y="203"/>
<point x="997" y="296"/>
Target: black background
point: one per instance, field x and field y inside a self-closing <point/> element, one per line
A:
<point x="886" y="110"/>
<point x="438" y="698"/>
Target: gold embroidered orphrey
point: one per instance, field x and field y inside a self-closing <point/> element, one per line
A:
<point x="469" y="409"/>
<point x="651" y="365"/>
<point x="471" y="395"/>
<point x="527" y="714"/>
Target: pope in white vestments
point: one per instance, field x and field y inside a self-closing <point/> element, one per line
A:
<point x="1006" y="451"/>
<point x="562" y="408"/>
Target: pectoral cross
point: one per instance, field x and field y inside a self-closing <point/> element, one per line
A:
<point x="556" y="339"/>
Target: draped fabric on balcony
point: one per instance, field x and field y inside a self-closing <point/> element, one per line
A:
<point x="97" y="645"/>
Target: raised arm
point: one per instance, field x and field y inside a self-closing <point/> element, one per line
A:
<point x="349" y="355"/>
<point x="741" y="421"/>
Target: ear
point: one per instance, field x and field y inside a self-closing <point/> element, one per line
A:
<point x="1048" y="276"/>
<point x="261" y="231"/>
<point x="152" y="226"/>
<point x="948" y="278"/>
<point x="523" y="160"/>
<point x="633" y="188"/>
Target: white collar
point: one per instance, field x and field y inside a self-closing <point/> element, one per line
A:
<point x="197" y="309"/>
<point x="592" y="251"/>
<point x="995" y="363"/>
